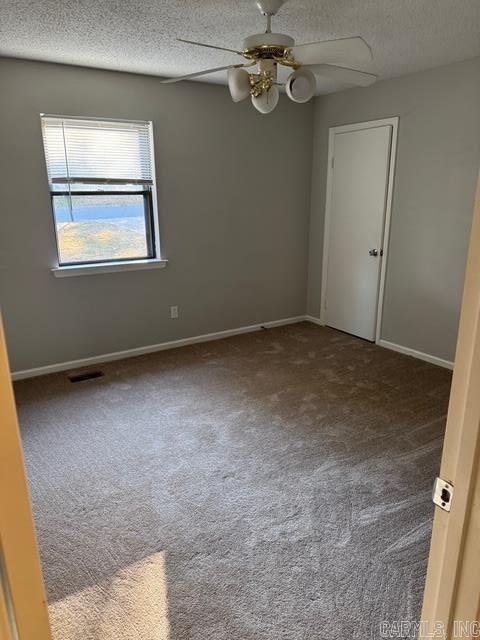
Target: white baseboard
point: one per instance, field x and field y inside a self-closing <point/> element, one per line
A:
<point x="397" y="347"/>
<point x="207" y="337"/>
<point x="416" y="354"/>
<point x="314" y="320"/>
<point x="139" y="351"/>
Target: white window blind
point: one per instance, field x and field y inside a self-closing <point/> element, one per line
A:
<point x="97" y="151"/>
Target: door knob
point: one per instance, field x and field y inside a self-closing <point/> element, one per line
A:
<point x="373" y="252"/>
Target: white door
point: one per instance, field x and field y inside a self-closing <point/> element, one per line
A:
<point x="356" y="218"/>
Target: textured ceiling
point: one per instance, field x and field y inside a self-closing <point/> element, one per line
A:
<point x="405" y="35"/>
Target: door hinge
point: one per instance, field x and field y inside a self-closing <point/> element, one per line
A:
<point x="442" y="494"/>
<point x="333" y="161"/>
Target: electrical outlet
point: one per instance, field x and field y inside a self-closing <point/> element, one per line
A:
<point x="174" y="312"/>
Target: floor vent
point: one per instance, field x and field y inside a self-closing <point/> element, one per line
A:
<point x="83" y="377"/>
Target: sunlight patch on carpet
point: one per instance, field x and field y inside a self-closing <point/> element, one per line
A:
<point x="131" y="605"/>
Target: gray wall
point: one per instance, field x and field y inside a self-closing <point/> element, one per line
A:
<point x="234" y="199"/>
<point x="234" y="202"/>
<point x="437" y="164"/>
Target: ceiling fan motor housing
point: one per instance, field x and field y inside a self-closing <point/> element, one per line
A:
<point x="269" y="46"/>
<point x="265" y="40"/>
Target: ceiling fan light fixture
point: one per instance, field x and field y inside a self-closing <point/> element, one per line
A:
<point x="239" y="84"/>
<point x="335" y="59"/>
<point x="301" y="85"/>
<point x="267" y="100"/>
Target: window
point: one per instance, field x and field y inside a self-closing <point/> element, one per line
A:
<point x="101" y="180"/>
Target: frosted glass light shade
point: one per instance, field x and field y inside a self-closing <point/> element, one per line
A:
<point x="267" y="101"/>
<point x="301" y="85"/>
<point x="239" y="84"/>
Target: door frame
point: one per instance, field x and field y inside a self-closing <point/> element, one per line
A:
<point x="332" y="132"/>
<point x="452" y="588"/>
<point x="23" y="605"/>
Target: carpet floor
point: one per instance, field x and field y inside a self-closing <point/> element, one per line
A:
<point x="270" y="486"/>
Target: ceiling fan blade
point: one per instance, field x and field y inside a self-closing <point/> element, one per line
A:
<point x="210" y="46"/>
<point x="204" y="73"/>
<point x="342" y="74"/>
<point x="344" y="51"/>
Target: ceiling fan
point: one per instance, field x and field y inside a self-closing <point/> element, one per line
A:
<point x="330" y="59"/>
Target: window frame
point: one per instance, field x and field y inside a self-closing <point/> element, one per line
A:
<point x="150" y="238"/>
<point x="153" y="258"/>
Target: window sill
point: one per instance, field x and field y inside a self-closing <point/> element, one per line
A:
<point x="110" y="267"/>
